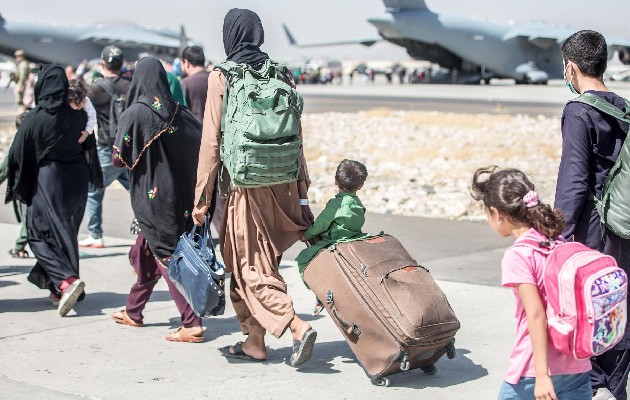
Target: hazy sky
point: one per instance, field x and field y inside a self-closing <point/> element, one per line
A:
<point x="314" y="20"/>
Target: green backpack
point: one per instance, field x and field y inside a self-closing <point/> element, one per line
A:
<point x="614" y="205"/>
<point x="260" y="125"/>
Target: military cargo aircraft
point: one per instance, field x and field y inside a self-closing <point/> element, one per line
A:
<point x="528" y="53"/>
<point x="70" y="44"/>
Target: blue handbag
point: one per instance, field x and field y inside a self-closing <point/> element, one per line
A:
<point x="197" y="274"/>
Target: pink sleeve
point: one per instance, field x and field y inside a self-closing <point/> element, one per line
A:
<point x="517" y="267"/>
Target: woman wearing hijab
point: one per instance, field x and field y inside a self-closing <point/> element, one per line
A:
<point x="259" y="224"/>
<point x="158" y="141"/>
<point x="48" y="172"/>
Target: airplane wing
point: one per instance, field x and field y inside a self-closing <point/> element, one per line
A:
<point x="544" y="37"/>
<point x="540" y="36"/>
<point x="127" y="36"/>
<point x="293" y="42"/>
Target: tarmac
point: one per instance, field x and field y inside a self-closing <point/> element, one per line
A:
<point x="87" y="355"/>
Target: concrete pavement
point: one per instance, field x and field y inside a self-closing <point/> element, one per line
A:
<point x="87" y="355"/>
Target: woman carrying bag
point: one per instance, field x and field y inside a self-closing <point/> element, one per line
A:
<point x="158" y="141"/>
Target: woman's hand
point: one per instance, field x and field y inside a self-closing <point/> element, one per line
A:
<point x="84" y="135"/>
<point x="199" y="214"/>
<point x="543" y="389"/>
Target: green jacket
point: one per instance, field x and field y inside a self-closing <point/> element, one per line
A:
<point x="340" y="221"/>
<point x="176" y="88"/>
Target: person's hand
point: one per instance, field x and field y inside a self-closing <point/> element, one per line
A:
<point x="84" y="135"/>
<point x="543" y="389"/>
<point x="308" y="214"/>
<point x="199" y="214"/>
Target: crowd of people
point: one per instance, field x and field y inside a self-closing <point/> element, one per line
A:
<point x="57" y="171"/>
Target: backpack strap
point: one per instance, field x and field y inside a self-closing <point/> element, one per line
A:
<point x="602" y="105"/>
<point x="623" y="115"/>
<point x="108" y="86"/>
<point x="541" y="247"/>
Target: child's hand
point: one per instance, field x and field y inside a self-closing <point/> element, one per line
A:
<point x="84" y="135"/>
<point x="543" y="389"/>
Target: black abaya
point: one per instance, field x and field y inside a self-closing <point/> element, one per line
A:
<point x="51" y="175"/>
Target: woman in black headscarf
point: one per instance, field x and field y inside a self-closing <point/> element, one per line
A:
<point x="259" y="224"/>
<point x="48" y="172"/>
<point x="158" y="141"/>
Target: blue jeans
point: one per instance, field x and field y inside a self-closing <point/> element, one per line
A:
<point x="567" y="387"/>
<point x="94" y="207"/>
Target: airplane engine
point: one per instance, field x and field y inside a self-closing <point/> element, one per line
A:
<point x="624" y="56"/>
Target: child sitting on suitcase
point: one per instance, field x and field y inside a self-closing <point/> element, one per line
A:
<point x="536" y="369"/>
<point x="342" y="218"/>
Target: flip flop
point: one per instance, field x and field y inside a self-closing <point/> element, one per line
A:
<point x="180" y="335"/>
<point x="238" y="354"/>
<point x="121" y="317"/>
<point x="319" y="307"/>
<point x="303" y="349"/>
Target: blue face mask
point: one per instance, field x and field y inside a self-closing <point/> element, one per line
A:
<point x="569" y="84"/>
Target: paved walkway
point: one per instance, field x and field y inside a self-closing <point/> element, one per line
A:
<point x="87" y="355"/>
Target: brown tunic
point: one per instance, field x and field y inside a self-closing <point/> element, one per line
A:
<point x="259" y="224"/>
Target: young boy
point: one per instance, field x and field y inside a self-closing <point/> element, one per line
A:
<point x="342" y="218"/>
<point x="591" y="142"/>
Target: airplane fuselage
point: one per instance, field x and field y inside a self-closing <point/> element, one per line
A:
<point x="71" y="45"/>
<point x="451" y="41"/>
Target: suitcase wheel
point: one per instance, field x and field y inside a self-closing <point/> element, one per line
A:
<point x="450" y="350"/>
<point x="381" y="382"/>
<point x="429" y="369"/>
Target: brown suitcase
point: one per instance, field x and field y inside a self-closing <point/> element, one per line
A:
<point x="389" y="309"/>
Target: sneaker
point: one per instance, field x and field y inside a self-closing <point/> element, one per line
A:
<point x="70" y="297"/>
<point x="603" y="394"/>
<point x="92" y="242"/>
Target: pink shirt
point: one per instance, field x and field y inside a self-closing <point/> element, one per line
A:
<point x="524" y="265"/>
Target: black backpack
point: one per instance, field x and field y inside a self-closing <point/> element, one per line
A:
<point x="116" y="107"/>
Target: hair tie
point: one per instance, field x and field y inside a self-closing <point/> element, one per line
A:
<point x="531" y="199"/>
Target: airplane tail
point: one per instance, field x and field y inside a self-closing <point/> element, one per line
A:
<point x="404" y="5"/>
<point x="290" y="37"/>
<point x="183" y="39"/>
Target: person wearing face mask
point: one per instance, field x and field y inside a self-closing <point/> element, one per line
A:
<point x="591" y="143"/>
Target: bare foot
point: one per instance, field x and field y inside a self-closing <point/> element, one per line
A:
<point x="254" y="347"/>
<point x="299" y="327"/>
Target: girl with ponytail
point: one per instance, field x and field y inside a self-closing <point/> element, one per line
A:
<point x="536" y="370"/>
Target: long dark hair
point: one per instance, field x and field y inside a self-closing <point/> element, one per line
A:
<point x="504" y="190"/>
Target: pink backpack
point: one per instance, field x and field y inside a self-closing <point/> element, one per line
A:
<point x="586" y="292"/>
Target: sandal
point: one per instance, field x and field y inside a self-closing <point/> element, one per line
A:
<point x="19" y="253"/>
<point x="238" y="353"/>
<point x="121" y="317"/>
<point x="319" y="307"/>
<point x="183" y="335"/>
<point x="303" y="349"/>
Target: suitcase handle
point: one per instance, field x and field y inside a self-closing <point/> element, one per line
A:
<point x="349" y="328"/>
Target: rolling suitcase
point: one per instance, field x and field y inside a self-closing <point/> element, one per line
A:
<point x="389" y="309"/>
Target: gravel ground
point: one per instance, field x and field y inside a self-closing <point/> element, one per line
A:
<point x="421" y="163"/>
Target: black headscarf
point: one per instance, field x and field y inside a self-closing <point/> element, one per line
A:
<point x="159" y="143"/>
<point x="243" y="35"/>
<point x="41" y="129"/>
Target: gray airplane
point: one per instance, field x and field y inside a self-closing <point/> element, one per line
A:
<point x="70" y="45"/>
<point x="480" y="50"/>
